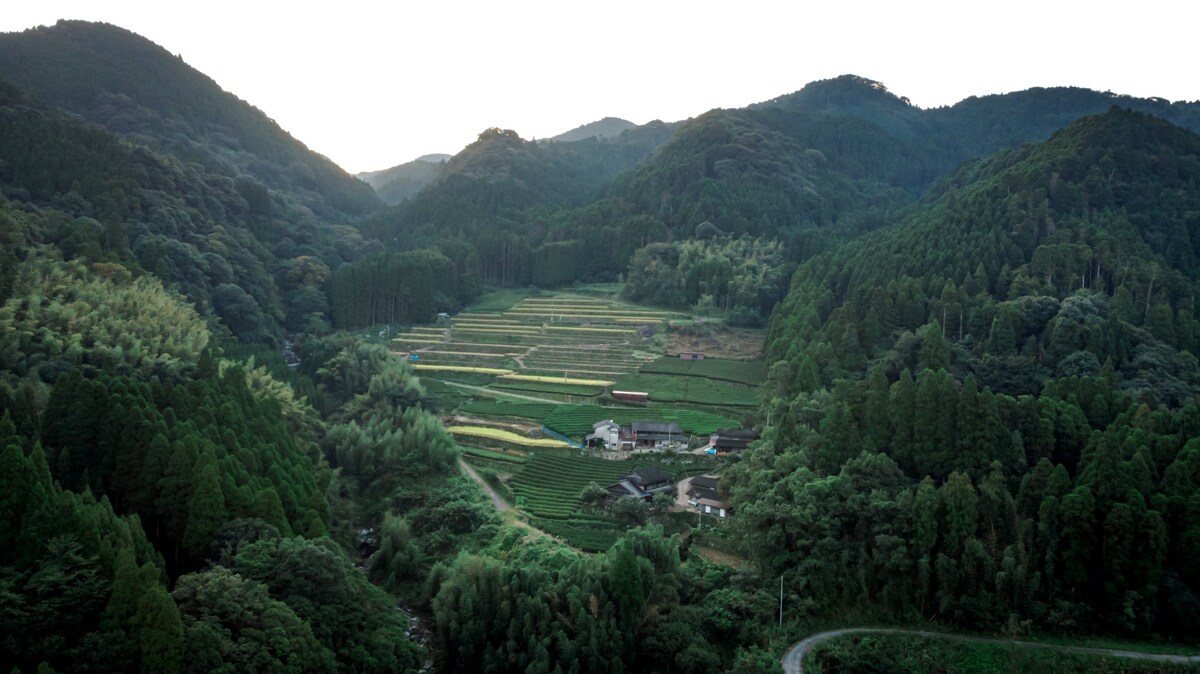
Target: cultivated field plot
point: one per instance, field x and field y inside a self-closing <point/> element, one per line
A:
<point x="575" y="421"/>
<point x="748" y="372"/>
<point x="504" y="438"/>
<point x="513" y="458"/>
<point x="675" y="388"/>
<point x="550" y="483"/>
<point x="547" y="387"/>
<point x="502" y="408"/>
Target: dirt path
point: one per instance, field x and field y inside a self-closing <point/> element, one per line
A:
<point x="793" y="660"/>
<point x="501" y="504"/>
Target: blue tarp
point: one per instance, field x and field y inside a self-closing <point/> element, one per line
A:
<point x="560" y="436"/>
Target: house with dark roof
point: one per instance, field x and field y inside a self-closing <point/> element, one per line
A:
<point x="657" y="435"/>
<point x="644" y="482"/>
<point x="703" y="495"/>
<point x="732" y="440"/>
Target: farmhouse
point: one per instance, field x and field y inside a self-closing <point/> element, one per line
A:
<point x="732" y="440"/>
<point x="644" y="482"/>
<point x="606" y="433"/>
<point x="657" y="435"/>
<point x="691" y="355"/>
<point x="703" y="495"/>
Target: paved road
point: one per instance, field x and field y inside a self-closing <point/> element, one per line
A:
<point x="793" y="660"/>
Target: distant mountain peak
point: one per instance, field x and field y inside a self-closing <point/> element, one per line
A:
<point x="608" y="127"/>
<point x="838" y="92"/>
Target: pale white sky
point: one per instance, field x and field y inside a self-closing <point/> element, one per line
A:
<point x="374" y="84"/>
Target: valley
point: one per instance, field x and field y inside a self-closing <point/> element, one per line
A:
<point x="915" y="370"/>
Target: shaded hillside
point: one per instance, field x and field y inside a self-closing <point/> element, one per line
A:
<point x="1086" y="244"/>
<point x="239" y="251"/>
<point x="609" y="127"/>
<point x="137" y="89"/>
<point x="987" y="414"/>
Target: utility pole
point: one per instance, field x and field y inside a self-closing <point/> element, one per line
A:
<point x="781" y="600"/>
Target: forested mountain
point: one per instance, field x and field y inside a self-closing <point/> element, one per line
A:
<point x="982" y="408"/>
<point x="138" y="90"/>
<point x="608" y="127"/>
<point x="987" y="413"/>
<point x="810" y="169"/>
<point x="398" y="183"/>
<point x="242" y="252"/>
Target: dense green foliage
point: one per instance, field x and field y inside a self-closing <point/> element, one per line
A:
<point x="221" y="464"/>
<point x="1039" y="468"/>
<point x="409" y="287"/>
<point x="743" y="278"/>
<point x="983" y="403"/>
<point x="635" y="608"/>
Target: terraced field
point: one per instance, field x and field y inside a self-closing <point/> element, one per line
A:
<point x="550" y="484"/>
<point x="747" y="372"/>
<point x="575" y="421"/>
<point x="536" y="350"/>
<point x="672" y="388"/>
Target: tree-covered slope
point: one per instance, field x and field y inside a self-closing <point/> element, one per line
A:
<point x="137" y="89"/>
<point x="1101" y="219"/>
<point x="986" y="414"/>
<point x="236" y="248"/>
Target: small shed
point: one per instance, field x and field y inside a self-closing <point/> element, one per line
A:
<point x="691" y="355"/>
<point x="632" y="396"/>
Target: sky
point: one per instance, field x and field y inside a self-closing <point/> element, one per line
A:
<point x="374" y="84"/>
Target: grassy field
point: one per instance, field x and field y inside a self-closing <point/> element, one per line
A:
<point x="547" y="387"/>
<point x="498" y="300"/>
<point x="575" y="421"/>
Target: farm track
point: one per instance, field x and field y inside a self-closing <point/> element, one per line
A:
<point x="793" y="660"/>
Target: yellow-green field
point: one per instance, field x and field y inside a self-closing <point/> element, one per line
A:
<point x="505" y="436"/>
<point x="461" y="368"/>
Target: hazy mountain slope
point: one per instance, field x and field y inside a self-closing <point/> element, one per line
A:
<point x="398" y="183"/>
<point x="609" y="127"/>
<point x="501" y="174"/>
<point x="137" y="89"/>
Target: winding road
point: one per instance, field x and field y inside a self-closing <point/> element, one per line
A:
<point x="793" y="660"/>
